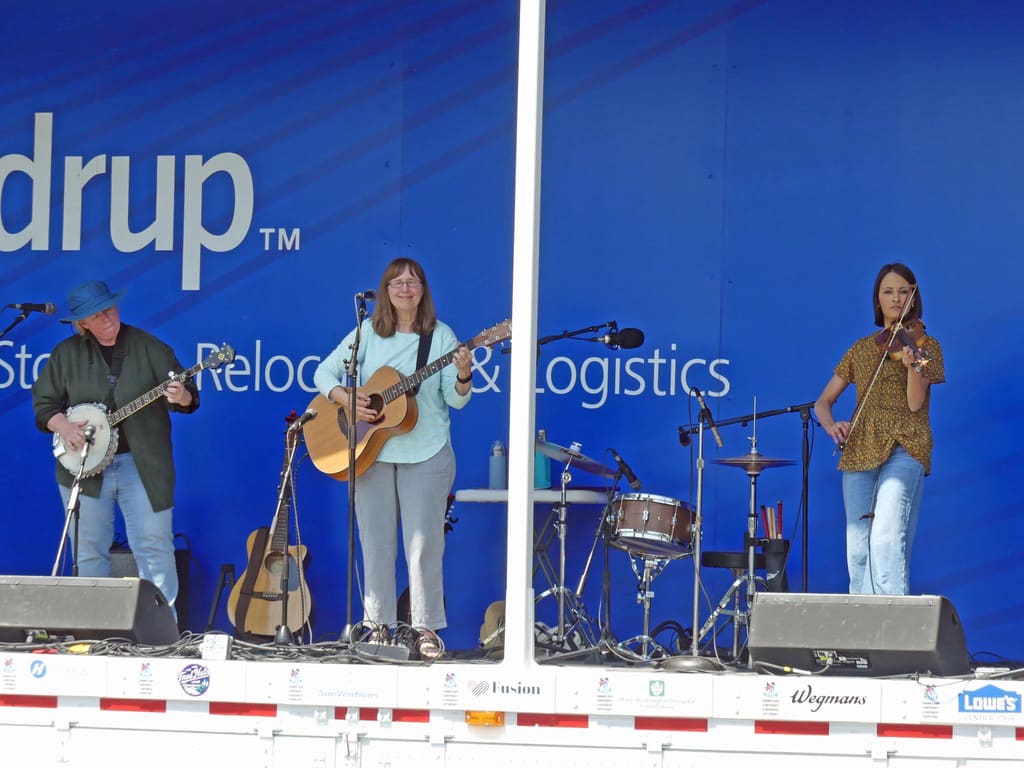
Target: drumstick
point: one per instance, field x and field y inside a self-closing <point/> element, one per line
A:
<point x="764" y="521"/>
<point x="780" y="519"/>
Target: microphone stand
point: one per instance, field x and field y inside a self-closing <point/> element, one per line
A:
<point x="613" y="324"/>
<point x="804" y="409"/>
<point x="14" y="322"/>
<point x="283" y="635"/>
<point x="606" y="638"/>
<point x="353" y="374"/>
<point x="72" y="509"/>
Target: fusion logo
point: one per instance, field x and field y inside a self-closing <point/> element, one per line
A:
<point x="225" y="177"/>
<point x="480" y="687"/>
<point x="989" y="699"/>
<point x="37" y="669"/>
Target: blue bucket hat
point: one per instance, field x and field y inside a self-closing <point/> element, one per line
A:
<point x="88" y="298"/>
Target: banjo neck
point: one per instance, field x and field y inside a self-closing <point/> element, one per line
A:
<point x="155" y="393"/>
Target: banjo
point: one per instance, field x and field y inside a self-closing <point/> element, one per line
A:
<point x="104" y="439"/>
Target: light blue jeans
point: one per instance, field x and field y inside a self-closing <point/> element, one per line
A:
<point x="882" y="507"/>
<point x="417" y="495"/>
<point x="150" y="533"/>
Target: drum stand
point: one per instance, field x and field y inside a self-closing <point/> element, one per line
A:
<point x="649" y="647"/>
<point x="740" y="616"/>
<point x="567" y="599"/>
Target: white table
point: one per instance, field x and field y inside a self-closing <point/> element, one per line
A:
<point x="540" y="496"/>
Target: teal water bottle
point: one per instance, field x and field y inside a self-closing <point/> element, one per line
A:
<point x="497" y="468"/>
<point x="541" y="464"/>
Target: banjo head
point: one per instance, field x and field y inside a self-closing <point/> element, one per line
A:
<point x="104" y="441"/>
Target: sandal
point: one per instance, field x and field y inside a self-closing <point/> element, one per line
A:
<point x="429" y="646"/>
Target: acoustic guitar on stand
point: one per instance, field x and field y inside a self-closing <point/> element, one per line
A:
<point x="255" y="602"/>
<point x="392" y="398"/>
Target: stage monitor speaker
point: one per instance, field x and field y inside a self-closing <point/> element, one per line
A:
<point x="85" y="609"/>
<point x="869" y="635"/>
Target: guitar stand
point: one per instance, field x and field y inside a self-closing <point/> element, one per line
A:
<point x="226" y="581"/>
<point x="72" y="510"/>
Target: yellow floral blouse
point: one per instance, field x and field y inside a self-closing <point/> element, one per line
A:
<point x="887" y="419"/>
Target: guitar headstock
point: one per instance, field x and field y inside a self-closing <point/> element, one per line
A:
<point x="494" y="335"/>
<point x="224" y="355"/>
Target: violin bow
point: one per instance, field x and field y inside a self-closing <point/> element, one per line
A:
<point x="878" y="369"/>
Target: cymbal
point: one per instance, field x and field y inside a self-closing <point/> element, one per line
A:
<point x="754" y="462"/>
<point x="577" y="459"/>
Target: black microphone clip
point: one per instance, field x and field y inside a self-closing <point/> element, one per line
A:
<point x="705" y="413"/>
<point x="634" y="483"/>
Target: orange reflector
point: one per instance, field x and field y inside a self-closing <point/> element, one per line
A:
<point x="481" y="717"/>
<point x="552" y="721"/>
<point x="791" y="727"/>
<point x="915" y="731"/>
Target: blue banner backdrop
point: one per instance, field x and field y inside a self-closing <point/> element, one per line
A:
<point x="726" y="176"/>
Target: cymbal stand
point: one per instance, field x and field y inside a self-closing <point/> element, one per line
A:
<point x="567" y="601"/>
<point x="72" y="510"/>
<point x="698" y="523"/>
<point x="740" y="615"/>
<point x="649" y="647"/>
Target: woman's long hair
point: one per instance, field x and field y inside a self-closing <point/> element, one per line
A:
<point x="385" y="319"/>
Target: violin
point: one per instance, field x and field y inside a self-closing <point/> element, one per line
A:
<point x="910" y="334"/>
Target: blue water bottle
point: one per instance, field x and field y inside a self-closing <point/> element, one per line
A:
<point x="541" y="463"/>
<point x="497" y="467"/>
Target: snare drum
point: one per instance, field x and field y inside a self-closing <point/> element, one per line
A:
<point x="652" y="526"/>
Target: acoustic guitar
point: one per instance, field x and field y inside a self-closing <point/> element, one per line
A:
<point x="392" y="398"/>
<point x="254" y="604"/>
<point x="104" y="424"/>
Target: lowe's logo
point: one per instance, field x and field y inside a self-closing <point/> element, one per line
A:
<point x="989" y="699"/>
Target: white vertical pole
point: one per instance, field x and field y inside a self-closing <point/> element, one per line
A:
<point x="526" y="243"/>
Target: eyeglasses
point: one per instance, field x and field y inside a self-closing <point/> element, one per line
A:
<point x="411" y="284"/>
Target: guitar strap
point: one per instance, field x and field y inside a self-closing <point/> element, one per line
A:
<point x="116" y="362"/>
<point x="259" y="546"/>
<point x="421" y="356"/>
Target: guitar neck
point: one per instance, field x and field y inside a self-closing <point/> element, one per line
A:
<point x="156" y="392"/>
<point x="413" y="380"/>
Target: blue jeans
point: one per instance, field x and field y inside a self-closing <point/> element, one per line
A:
<point x="882" y="507"/>
<point x="150" y="533"/>
<point x="416" y="494"/>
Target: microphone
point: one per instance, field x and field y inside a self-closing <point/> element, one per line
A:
<point x="633" y="482"/>
<point x="46" y="309"/>
<point x="89" y="431"/>
<point x="707" y="414"/>
<point x="627" y="338"/>
<point x="366" y="295"/>
<point x="309" y="415"/>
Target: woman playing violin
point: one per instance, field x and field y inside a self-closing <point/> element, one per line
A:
<point x="887" y="446"/>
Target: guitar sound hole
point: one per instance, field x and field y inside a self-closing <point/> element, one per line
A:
<point x="377" y="404"/>
<point x="274" y="563"/>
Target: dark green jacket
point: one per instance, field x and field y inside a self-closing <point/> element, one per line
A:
<point x="77" y="373"/>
